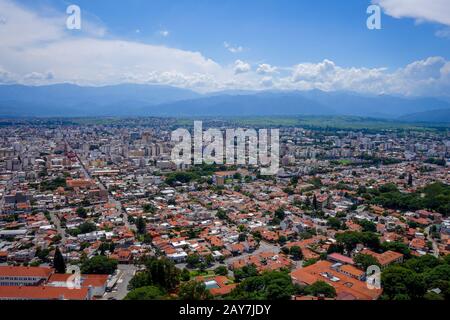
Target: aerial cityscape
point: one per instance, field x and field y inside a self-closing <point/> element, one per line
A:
<point x="123" y="180"/>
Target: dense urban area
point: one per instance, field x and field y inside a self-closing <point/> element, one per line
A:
<point x="101" y="202"/>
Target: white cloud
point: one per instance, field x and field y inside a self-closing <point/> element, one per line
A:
<point x="422" y="10"/>
<point x="37" y="49"/>
<point x="443" y="33"/>
<point x="266" y="82"/>
<point x="5" y="76"/>
<point x="233" y="49"/>
<point x="241" y="67"/>
<point x="314" y="72"/>
<point x="266" y="69"/>
<point x="164" y="33"/>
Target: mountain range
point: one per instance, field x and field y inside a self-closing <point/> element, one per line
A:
<point x="67" y="100"/>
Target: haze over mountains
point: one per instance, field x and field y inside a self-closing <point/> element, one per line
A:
<point x="66" y="100"/>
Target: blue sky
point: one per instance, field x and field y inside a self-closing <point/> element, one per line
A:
<point x="295" y="37"/>
<point x="280" y="32"/>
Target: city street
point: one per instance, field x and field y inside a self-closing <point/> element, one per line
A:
<point x="121" y="288"/>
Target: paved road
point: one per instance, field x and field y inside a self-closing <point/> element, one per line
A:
<point x="57" y="223"/>
<point x="435" y="246"/>
<point x="127" y="271"/>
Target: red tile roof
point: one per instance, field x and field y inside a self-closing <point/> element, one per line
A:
<point x="11" y="271"/>
<point x="42" y="293"/>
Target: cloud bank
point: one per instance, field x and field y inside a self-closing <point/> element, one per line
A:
<point x="37" y="50"/>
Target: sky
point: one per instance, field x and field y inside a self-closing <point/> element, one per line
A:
<point x="208" y="45"/>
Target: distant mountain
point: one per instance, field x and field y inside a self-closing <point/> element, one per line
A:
<point x="261" y="104"/>
<point x="314" y="102"/>
<point x="66" y="100"/>
<point x="73" y="100"/>
<point x="437" y="116"/>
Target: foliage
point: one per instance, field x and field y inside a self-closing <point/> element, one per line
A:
<point x="245" y="272"/>
<point x="436" y="197"/>
<point x="296" y="252"/>
<point x="141" y="226"/>
<point x="320" y="288"/>
<point x="146" y="293"/>
<point x="53" y="184"/>
<point x="58" y="262"/>
<point x="367" y="226"/>
<point x="194" y="291"/>
<point x="99" y="265"/>
<point x="350" y="239"/>
<point x="158" y="272"/>
<point x="221" y="271"/>
<point x="415" y="277"/>
<point x="272" y="285"/>
<point x="364" y="261"/>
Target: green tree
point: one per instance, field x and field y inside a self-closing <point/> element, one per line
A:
<point x="141" y="226"/>
<point x="194" y="291"/>
<point x="245" y="272"/>
<point x="146" y="293"/>
<point x="82" y="213"/>
<point x="321" y="288"/>
<point x="58" y="262"/>
<point x="365" y="260"/>
<point x="296" y="252"/>
<point x="314" y="203"/>
<point x="163" y="273"/>
<point x="221" y="271"/>
<point x="273" y="285"/>
<point x="99" y="265"/>
<point x="334" y="223"/>
<point x="193" y="260"/>
<point x="140" y="279"/>
<point x="185" y="275"/>
<point x="368" y="226"/>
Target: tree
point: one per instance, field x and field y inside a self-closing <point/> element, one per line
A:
<point x="81" y="212"/>
<point x="334" y="223"/>
<point x="364" y="261"/>
<point x="185" y="275"/>
<point x="194" y="291"/>
<point x="141" y="226"/>
<point x="402" y="283"/>
<point x="368" y="226"/>
<point x="296" y="252"/>
<point x="320" y="288"/>
<point x="163" y="273"/>
<point x="410" y="180"/>
<point x="193" y="260"/>
<point x="245" y="272"/>
<point x="242" y="237"/>
<point x="86" y="227"/>
<point x="149" y="208"/>
<point x="140" y="279"/>
<point x="396" y="246"/>
<point x="280" y="214"/>
<point x="273" y="285"/>
<point x="221" y="271"/>
<point x="58" y="262"/>
<point x="314" y="203"/>
<point x="221" y="214"/>
<point x="282" y="240"/>
<point x="146" y="293"/>
<point x="99" y="265"/>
